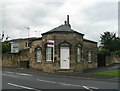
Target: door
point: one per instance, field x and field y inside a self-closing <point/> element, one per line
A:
<point x="101" y="60"/>
<point x="24" y="64"/>
<point x="64" y="58"/>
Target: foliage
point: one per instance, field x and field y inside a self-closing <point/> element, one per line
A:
<point x="104" y="51"/>
<point x="6" y="46"/>
<point x="110" y="42"/>
<point x="117" y="52"/>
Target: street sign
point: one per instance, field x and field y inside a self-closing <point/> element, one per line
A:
<point x="50" y="43"/>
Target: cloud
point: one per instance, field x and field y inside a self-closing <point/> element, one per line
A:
<point x="103" y="11"/>
<point x="101" y="17"/>
<point x="91" y="18"/>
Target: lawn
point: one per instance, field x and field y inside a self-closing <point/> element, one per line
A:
<point x="108" y="73"/>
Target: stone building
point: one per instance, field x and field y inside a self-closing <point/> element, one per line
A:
<point x="13" y="59"/>
<point x="63" y="48"/>
<point x="60" y="49"/>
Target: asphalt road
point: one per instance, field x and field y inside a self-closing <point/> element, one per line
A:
<point x="33" y="80"/>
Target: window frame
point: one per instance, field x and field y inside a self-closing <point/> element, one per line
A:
<point x="36" y="55"/>
<point x="89" y="55"/>
<point x="50" y="53"/>
<point x="79" y="55"/>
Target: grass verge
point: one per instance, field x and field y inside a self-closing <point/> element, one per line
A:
<point x="115" y="73"/>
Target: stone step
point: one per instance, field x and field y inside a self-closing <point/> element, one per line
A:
<point x="65" y="71"/>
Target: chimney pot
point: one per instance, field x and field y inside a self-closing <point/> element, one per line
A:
<point x="65" y="22"/>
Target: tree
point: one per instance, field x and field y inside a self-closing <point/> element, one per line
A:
<point x="110" y="41"/>
<point x="6" y="46"/>
<point x="104" y="51"/>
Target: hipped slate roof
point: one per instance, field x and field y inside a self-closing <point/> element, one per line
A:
<point x="62" y="29"/>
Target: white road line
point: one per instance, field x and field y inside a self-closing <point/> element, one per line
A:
<point x="9" y="75"/>
<point x="46" y="81"/>
<point x="15" y="85"/>
<point x="9" y="72"/>
<point x="92" y="87"/>
<point x="67" y="84"/>
<point x="61" y="83"/>
<point x="87" y="88"/>
<point x="24" y="74"/>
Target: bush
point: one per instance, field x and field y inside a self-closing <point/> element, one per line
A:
<point x="6" y="47"/>
<point x="104" y="51"/>
<point x="117" y="53"/>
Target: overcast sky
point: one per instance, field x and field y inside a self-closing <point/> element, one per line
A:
<point x="90" y="17"/>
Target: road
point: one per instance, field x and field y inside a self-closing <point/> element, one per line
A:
<point x="36" y="81"/>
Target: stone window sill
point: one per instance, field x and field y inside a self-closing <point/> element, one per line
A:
<point x="90" y="62"/>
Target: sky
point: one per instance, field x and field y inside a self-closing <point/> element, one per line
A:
<point x="90" y="17"/>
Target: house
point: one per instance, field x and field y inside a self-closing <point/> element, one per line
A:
<point x="11" y="59"/>
<point x="63" y="48"/>
<point x="60" y="49"/>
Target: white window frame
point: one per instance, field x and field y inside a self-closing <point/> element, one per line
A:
<point x="89" y="55"/>
<point x="79" y="53"/>
<point x="49" y="53"/>
<point x="38" y="50"/>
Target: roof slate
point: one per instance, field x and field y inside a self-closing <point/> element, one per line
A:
<point x="62" y="29"/>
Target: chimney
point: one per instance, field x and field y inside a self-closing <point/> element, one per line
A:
<point x="68" y="23"/>
<point x="68" y="19"/>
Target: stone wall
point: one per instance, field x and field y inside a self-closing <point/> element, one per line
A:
<point x="74" y="40"/>
<point x="112" y="59"/>
<point x="93" y="46"/>
<point x="13" y="59"/>
<point x="23" y="56"/>
<point x="9" y="60"/>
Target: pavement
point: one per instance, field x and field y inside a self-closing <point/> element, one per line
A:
<point x="84" y="75"/>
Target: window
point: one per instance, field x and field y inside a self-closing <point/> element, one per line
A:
<point x="38" y="55"/>
<point x="49" y="53"/>
<point x="79" y="53"/>
<point x="26" y="44"/>
<point x="89" y="55"/>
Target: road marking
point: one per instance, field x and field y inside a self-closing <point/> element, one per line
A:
<point x="92" y="87"/>
<point x="20" y="86"/>
<point x="61" y="83"/>
<point x="67" y="84"/>
<point x="9" y="72"/>
<point x="46" y="81"/>
<point x="9" y="75"/>
<point x="87" y="88"/>
<point x="23" y="74"/>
